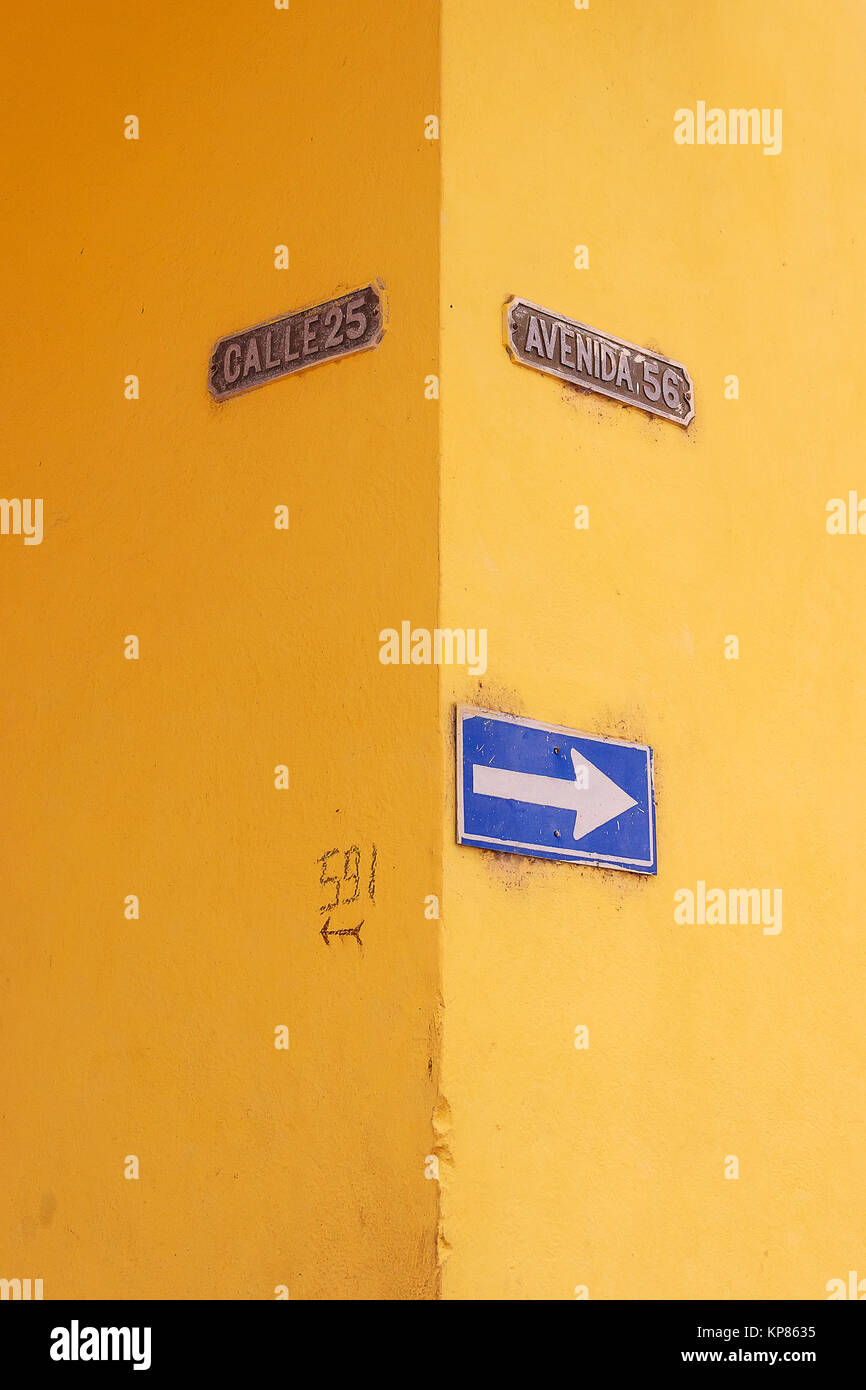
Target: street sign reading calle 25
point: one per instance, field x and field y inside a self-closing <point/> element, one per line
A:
<point x="351" y="323"/>
<point x="598" y="362"/>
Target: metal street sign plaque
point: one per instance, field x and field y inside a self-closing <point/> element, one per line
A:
<point x="597" y="361"/>
<point x="553" y="793"/>
<point x="351" y="323"/>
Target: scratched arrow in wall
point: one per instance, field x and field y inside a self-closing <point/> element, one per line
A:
<point x="327" y="932"/>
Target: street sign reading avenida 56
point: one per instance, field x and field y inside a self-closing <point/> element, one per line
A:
<point x="597" y="361"/>
<point x="350" y="323"/>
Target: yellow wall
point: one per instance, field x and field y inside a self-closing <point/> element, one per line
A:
<point x="259" y="647"/>
<point x="559" y="1168"/>
<point x="605" y="1167"/>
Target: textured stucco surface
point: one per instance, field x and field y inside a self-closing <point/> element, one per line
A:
<point x="604" y="1167"/>
<point x="258" y="1167"/>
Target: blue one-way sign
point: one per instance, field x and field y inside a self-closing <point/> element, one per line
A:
<point x="539" y="789"/>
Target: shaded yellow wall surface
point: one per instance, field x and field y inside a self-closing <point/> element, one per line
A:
<point x="603" y="1169"/>
<point x="258" y="1167"/>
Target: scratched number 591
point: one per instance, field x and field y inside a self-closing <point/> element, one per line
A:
<point x="345" y="887"/>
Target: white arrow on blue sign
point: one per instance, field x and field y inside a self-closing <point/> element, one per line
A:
<point x="538" y="789"/>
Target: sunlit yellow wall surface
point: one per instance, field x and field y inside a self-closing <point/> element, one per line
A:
<point x="154" y="1038"/>
<point x="604" y="1169"/>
